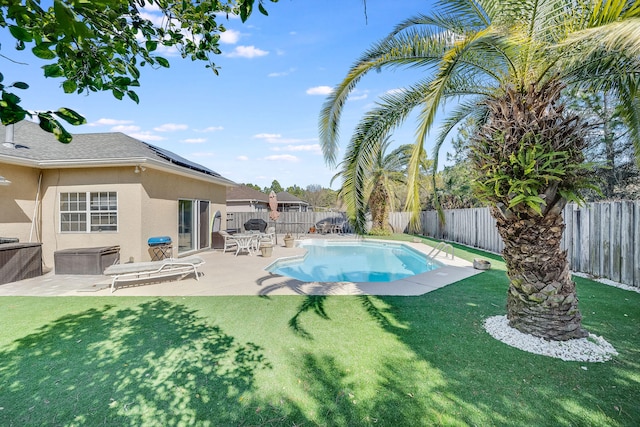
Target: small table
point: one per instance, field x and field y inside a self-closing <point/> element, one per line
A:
<point x="244" y="242"/>
<point x="160" y="252"/>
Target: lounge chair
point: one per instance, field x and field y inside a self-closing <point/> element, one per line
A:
<point x="152" y="270"/>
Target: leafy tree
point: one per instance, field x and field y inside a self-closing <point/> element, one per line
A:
<point x="454" y="187"/>
<point x="453" y="184"/>
<point x="371" y="180"/>
<point x="101" y="45"/>
<point x="296" y="191"/>
<point x="507" y="62"/>
<point x="254" y="186"/>
<point x="610" y="147"/>
<point x="275" y="186"/>
<point x="313" y="195"/>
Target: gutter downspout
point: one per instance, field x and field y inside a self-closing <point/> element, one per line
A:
<point x="35" y="210"/>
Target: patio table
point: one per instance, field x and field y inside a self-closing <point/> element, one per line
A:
<point x="245" y="242"/>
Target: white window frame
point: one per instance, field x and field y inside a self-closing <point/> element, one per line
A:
<point x="90" y="212"/>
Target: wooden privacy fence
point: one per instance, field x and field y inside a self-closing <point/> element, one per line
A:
<point x="290" y="222"/>
<point x="601" y="239"/>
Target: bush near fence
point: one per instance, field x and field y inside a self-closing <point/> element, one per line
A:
<point x="601" y="239"/>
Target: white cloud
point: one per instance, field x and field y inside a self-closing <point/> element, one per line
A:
<point x="211" y="129"/>
<point x="267" y="136"/>
<point x="276" y="138"/>
<point x="170" y="127"/>
<point x="194" y="140"/>
<point x="304" y="147"/>
<point x="281" y="73"/>
<point x="320" y="90"/>
<point x="146" y="136"/>
<point x="357" y="95"/>
<point x="247" y="52"/>
<point x="109" y="122"/>
<point x="282" y="157"/>
<point x="156" y="18"/>
<point x="394" y="91"/>
<point x="242" y="158"/>
<point x="230" y="37"/>
<point x="125" y="128"/>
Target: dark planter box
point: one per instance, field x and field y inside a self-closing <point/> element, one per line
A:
<point x="88" y="261"/>
<point x="20" y="261"/>
<point x="217" y="241"/>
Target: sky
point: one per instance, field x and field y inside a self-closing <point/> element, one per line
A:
<point x="257" y="121"/>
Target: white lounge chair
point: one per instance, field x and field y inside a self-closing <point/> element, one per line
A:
<point x="152" y="270"/>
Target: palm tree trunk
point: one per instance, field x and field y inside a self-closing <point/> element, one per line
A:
<point x="542" y="297"/>
<point x="379" y="207"/>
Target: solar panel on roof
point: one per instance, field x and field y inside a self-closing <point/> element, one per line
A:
<point x="181" y="161"/>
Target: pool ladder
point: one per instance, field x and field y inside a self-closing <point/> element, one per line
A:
<point x="442" y="246"/>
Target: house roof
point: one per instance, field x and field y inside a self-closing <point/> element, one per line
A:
<point x="34" y="147"/>
<point x="244" y="193"/>
<point x="288" y="198"/>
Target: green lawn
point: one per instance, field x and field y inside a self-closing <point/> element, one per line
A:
<point x="285" y="361"/>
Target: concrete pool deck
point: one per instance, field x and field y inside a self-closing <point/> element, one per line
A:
<point x="224" y="274"/>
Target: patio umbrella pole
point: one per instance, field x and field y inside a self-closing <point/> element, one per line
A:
<point x="274" y="214"/>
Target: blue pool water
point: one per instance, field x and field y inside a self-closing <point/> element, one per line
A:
<point x="329" y="261"/>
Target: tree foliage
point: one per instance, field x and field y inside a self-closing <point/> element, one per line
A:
<point x="609" y="142"/>
<point x="505" y="63"/>
<point x="275" y="187"/>
<point x="373" y="180"/>
<point x="102" y="45"/>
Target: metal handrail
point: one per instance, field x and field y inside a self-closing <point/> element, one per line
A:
<point x="442" y="246"/>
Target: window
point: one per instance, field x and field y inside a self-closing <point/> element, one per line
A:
<point x="100" y="208"/>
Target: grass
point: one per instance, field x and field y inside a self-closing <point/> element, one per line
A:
<point x="296" y="360"/>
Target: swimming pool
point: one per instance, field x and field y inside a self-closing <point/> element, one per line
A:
<point x="334" y="261"/>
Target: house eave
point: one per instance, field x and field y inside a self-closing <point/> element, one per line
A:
<point x="133" y="162"/>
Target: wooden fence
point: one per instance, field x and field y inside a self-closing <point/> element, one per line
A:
<point x="296" y="223"/>
<point x="601" y="239"/>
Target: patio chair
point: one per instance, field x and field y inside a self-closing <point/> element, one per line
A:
<point x="229" y="241"/>
<point x="339" y="227"/>
<point x="269" y="236"/>
<point x="325" y="227"/>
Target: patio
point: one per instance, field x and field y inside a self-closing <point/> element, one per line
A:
<point x="224" y="274"/>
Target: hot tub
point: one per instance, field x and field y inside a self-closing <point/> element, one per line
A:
<point x="20" y="261"/>
<point x="85" y="261"/>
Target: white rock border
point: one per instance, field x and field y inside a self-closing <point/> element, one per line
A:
<point x="590" y="349"/>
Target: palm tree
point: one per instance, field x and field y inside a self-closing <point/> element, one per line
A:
<point x="506" y="63"/>
<point x="373" y="179"/>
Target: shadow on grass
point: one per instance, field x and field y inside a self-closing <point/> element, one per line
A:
<point x="457" y="374"/>
<point x="154" y="364"/>
<point x="316" y="304"/>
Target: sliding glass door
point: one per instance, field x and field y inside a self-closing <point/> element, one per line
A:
<point x="203" y="224"/>
<point x="193" y="225"/>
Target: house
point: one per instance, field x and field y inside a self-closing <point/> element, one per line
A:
<point x="104" y="189"/>
<point x="289" y="203"/>
<point x="246" y="199"/>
